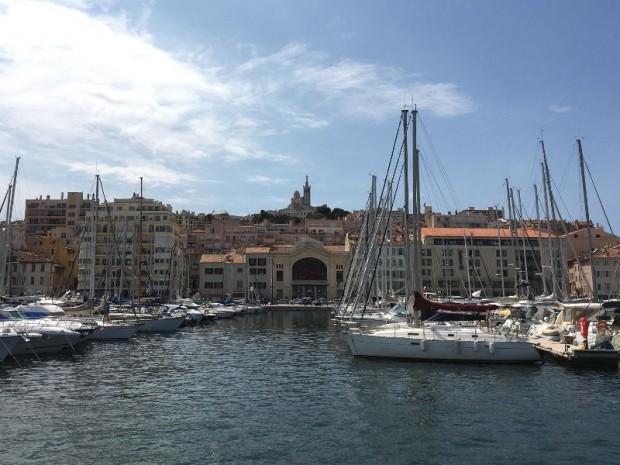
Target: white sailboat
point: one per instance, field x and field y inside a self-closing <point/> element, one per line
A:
<point x="423" y="341"/>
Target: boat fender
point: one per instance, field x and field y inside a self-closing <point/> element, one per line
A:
<point x="423" y="345"/>
<point x="457" y="346"/>
<point x="492" y="347"/>
<point x="477" y="346"/>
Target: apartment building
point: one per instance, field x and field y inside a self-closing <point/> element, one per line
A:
<point x="136" y="250"/>
<point x="43" y="214"/>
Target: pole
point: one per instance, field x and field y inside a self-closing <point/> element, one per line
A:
<point x="589" y="228"/>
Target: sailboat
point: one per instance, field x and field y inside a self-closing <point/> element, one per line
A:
<point x="433" y="341"/>
<point x="107" y="329"/>
<point x="579" y="335"/>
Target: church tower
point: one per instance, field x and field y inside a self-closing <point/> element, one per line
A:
<point x="306" y="201"/>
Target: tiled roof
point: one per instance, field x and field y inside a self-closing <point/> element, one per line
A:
<point x="480" y="233"/>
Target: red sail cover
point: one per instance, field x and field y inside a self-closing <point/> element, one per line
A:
<point x="421" y="303"/>
<point x="583" y="327"/>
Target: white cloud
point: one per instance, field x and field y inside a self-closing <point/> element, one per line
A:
<point x="262" y="179"/>
<point x="90" y="92"/>
<point x="559" y="108"/>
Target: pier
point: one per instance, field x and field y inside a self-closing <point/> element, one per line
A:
<point x="575" y="354"/>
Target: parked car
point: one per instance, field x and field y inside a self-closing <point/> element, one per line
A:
<point x="306" y="300"/>
<point x="296" y="301"/>
<point x="319" y="302"/>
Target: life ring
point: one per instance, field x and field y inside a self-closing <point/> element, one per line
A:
<point x="602" y="325"/>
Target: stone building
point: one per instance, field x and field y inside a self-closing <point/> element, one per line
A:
<point x="283" y="272"/>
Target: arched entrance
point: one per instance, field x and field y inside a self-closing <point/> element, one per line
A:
<point x="309" y="278"/>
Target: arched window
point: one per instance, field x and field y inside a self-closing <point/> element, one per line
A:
<point x="309" y="269"/>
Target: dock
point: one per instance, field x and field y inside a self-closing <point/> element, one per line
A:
<point x="296" y="308"/>
<point x="574" y="354"/>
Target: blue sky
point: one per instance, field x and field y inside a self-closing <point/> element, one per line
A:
<point x="229" y="104"/>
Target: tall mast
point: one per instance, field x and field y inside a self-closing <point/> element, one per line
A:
<point x="540" y="251"/>
<point x="589" y="229"/>
<point x="406" y="245"/>
<point x="140" y="249"/>
<point x="416" y="202"/>
<point x="93" y="253"/>
<point x="523" y="235"/>
<point x="8" y="235"/>
<point x="549" y="202"/>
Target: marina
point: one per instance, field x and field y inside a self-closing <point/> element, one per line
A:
<point x="282" y="387"/>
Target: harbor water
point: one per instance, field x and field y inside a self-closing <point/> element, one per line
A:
<point x="283" y="388"/>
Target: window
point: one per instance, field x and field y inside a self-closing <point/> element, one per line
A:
<point x="280" y="275"/>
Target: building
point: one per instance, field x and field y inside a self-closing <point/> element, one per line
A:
<point x="30" y="274"/>
<point x="605" y="265"/>
<point x="307" y="268"/>
<point x="44" y="214"/>
<point x="460" y="261"/>
<point x="469" y="218"/>
<point x="576" y="242"/>
<point x="300" y="205"/>
<point x="138" y="249"/>
<point x="223" y="276"/>
<point x="64" y="263"/>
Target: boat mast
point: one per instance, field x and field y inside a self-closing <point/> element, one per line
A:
<point x="140" y="249"/>
<point x="589" y="229"/>
<point x="8" y="235"/>
<point x="416" y="202"/>
<point x="549" y="201"/>
<point x="523" y="235"/>
<point x="406" y="245"/>
<point x="539" y="234"/>
<point x="511" y="227"/>
<point x="93" y="254"/>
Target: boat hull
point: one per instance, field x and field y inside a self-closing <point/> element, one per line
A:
<point x="440" y="350"/>
<point x="161" y="325"/>
<point x="113" y="331"/>
<point x="7" y="343"/>
<point x="46" y="342"/>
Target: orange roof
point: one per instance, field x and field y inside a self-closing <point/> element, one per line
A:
<point x="480" y="233"/>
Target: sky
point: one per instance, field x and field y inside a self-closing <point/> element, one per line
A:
<point x="230" y="104"/>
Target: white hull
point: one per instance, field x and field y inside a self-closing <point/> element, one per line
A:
<point x="450" y="344"/>
<point x="161" y="325"/>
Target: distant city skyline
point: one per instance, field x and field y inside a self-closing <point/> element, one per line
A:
<point x="229" y="105"/>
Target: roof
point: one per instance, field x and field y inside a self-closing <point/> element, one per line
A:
<point x="213" y="258"/>
<point x="479" y="233"/>
<point x="257" y="250"/>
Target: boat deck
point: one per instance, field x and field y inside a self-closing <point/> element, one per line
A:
<point x="573" y="354"/>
